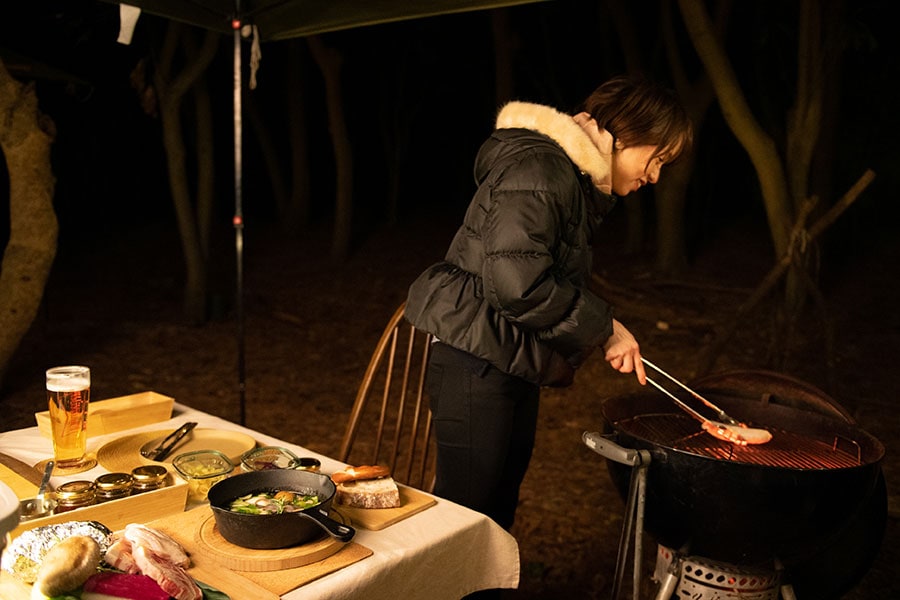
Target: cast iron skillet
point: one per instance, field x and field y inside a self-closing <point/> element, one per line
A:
<point x="279" y="530"/>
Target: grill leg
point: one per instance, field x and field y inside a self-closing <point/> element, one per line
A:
<point x="787" y="592"/>
<point x="633" y="525"/>
<point x="667" y="585"/>
<point x="639" y="531"/>
<point x="625" y="536"/>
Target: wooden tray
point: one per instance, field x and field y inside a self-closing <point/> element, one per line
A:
<point x="269" y="585"/>
<point x="116" y="514"/>
<point x="118" y="414"/>
<point x="412" y="501"/>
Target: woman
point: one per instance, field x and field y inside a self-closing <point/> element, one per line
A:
<point x="510" y="304"/>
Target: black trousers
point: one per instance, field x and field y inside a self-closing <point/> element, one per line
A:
<point x="484" y="424"/>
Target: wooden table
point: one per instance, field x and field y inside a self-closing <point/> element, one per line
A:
<point x="441" y="552"/>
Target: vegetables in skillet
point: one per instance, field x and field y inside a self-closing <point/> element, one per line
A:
<point x="271" y="503"/>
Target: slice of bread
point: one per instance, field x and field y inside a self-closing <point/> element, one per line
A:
<point x="369" y="493"/>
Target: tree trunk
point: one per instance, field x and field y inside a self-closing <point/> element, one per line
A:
<point x="399" y="108"/>
<point x="195" y="265"/>
<point x="25" y="138"/>
<point x="821" y="168"/>
<point x="271" y="159"/>
<point x="671" y="191"/>
<point x="761" y="148"/>
<point x="206" y="175"/>
<point x="804" y="117"/>
<point x="620" y="11"/>
<point x="171" y="90"/>
<point x="329" y="61"/>
<point x="785" y="189"/>
<point x="297" y="213"/>
<point x="775" y="183"/>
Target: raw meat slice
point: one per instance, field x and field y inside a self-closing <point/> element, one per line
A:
<point x="123" y="586"/>
<point x="157" y="542"/>
<point x="119" y="556"/>
<point x="170" y="577"/>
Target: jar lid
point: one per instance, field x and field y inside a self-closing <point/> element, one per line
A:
<point x="147" y="474"/>
<point x="76" y="490"/>
<point x="114" y="482"/>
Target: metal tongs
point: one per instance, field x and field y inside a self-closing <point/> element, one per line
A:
<point x="726" y="428"/>
<point x="168" y="444"/>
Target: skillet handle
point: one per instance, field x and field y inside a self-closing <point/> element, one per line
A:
<point x="607" y="448"/>
<point x="337" y="530"/>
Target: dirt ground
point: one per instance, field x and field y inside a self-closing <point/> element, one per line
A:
<point x="310" y="327"/>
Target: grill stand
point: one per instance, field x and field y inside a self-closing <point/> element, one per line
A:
<point x="633" y="525"/>
<point x="702" y="579"/>
<point x="688" y="576"/>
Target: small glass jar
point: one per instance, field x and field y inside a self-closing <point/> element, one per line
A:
<point x="112" y="486"/>
<point x="266" y="458"/>
<point x="202" y="469"/>
<point x="75" y="494"/>
<point x="148" y="478"/>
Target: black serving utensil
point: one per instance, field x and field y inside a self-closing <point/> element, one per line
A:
<point x="166" y="446"/>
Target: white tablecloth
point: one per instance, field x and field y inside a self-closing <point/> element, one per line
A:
<point x="442" y="553"/>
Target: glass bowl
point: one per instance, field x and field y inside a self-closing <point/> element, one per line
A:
<point x="266" y="458"/>
<point x="202" y="469"/>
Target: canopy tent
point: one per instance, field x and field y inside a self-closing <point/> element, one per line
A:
<point x="284" y="19"/>
<point x="273" y="20"/>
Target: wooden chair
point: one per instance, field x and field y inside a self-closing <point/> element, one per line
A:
<point x="390" y="423"/>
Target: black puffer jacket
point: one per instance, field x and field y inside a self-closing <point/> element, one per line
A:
<point x="513" y="288"/>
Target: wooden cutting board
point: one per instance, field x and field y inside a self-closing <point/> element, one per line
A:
<point x="211" y="543"/>
<point x="21" y="478"/>
<point x="412" y="501"/>
<point x="239" y="585"/>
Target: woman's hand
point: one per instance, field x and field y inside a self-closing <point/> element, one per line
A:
<point x="623" y="353"/>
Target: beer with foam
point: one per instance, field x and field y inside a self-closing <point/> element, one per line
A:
<point x="68" y="396"/>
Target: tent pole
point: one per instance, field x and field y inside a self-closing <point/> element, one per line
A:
<point x="238" y="210"/>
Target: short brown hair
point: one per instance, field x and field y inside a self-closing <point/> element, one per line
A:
<point x="640" y="112"/>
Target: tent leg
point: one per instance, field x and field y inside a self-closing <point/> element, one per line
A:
<point x="238" y="212"/>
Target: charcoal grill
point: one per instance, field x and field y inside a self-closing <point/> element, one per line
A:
<point x="772" y="510"/>
<point x="787" y="449"/>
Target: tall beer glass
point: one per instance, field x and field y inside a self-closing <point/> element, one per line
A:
<point x="68" y="394"/>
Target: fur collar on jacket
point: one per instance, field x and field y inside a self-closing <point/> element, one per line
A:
<point x="563" y="130"/>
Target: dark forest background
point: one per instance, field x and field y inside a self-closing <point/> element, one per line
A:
<point x="418" y="98"/>
<point x="436" y="76"/>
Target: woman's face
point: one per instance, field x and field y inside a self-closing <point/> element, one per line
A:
<point x="634" y="166"/>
